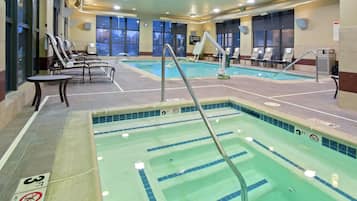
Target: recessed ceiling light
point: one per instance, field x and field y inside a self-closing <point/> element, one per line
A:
<point x="116" y="7"/>
<point x="216" y="10"/>
<point x="250" y="1"/>
<point x="240" y="4"/>
<point x="167" y="12"/>
<point x="134" y="9"/>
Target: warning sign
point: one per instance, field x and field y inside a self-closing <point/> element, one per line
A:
<point x="35" y="195"/>
<point x="34" y="182"/>
<point x="32" y="188"/>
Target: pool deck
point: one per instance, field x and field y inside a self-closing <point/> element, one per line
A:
<point x="305" y="99"/>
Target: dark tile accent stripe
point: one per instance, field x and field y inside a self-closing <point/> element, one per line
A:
<point x="340" y="147"/>
<point x="162" y="124"/>
<point x="339" y="191"/>
<point x="147" y="185"/>
<point x="200" y="167"/>
<point x="250" y="188"/>
<point x="348" y="81"/>
<point x="145" y="53"/>
<point x="322" y="181"/>
<point x="2" y="85"/>
<point x="278" y="123"/>
<point x="279" y="155"/>
<point x="205" y="107"/>
<point x="187" y="142"/>
<point x="123" y="117"/>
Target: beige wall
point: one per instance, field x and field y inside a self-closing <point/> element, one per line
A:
<point x="2" y="35"/>
<point x="77" y="34"/>
<point x="348" y="34"/>
<point x="211" y="29"/>
<point x="190" y="28"/>
<point x="46" y="18"/>
<point x="348" y="49"/>
<point x="145" y="43"/>
<point x="246" y="40"/>
<point x="319" y="34"/>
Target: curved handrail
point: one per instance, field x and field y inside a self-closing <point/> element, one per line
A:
<point x="314" y="52"/>
<point x="243" y="184"/>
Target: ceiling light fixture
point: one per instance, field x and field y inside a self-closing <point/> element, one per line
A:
<point x="116" y="7"/>
<point x="250" y="1"/>
<point x="134" y="9"/>
<point x="167" y="12"/>
<point x="216" y="10"/>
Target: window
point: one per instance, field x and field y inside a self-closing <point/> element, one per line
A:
<point x="171" y="33"/>
<point x="275" y="30"/>
<point x="228" y="34"/>
<point x="21" y="41"/>
<point x="117" y="35"/>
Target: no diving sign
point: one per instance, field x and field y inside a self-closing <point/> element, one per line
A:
<point x="32" y="188"/>
<point x="36" y="195"/>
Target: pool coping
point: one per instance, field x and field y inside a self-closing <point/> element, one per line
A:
<point x="158" y="78"/>
<point x="84" y="176"/>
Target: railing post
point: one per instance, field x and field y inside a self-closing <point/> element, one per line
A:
<point x="243" y="184"/>
<point x="163" y="74"/>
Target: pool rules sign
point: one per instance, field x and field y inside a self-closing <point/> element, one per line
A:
<point x="32" y="188"/>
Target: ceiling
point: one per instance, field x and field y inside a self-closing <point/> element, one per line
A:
<point x="193" y="10"/>
<point x="174" y="7"/>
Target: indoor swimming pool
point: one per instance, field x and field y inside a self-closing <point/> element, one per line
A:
<point x="201" y="69"/>
<point x="165" y="153"/>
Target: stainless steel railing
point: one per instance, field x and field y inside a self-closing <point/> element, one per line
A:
<point x="244" y="190"/>
<point x="314" y="52"/>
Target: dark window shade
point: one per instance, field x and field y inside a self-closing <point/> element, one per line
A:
<point x="274" y="30"/>
<point x="103" y="22"/>
<point x="228" y="34"/>
<point x="117" y="35"/>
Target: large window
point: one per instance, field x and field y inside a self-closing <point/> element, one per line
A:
<point x="21" y="41"/>
<point x="275" y="30"/>
<point x="228" y="35"/>
<point x="171" y="33"/>
<point x="117" y="36"/>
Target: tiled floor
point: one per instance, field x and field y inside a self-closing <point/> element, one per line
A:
<point x="35" y="152"/>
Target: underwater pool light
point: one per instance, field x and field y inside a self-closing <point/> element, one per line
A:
<point x="139" y="165"/>
<point x="125" y="135"/>
<point x="249" y="139"/>
<point x="105" y="193"/>
<point x="310" y="173"/>
<point x="100" y="158"/>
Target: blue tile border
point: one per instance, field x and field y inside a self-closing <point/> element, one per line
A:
<point x="322" y="181"/>
<point x="329" y="143"/>
<point x="162" y="124"/>
<point x="147" y="185"/>
<point x="187" y="141"/>
<point x="200" y="167"/>
<point x="123" y="117"/>
<point x="339" y="147"/>
<point x="250" y="188"/>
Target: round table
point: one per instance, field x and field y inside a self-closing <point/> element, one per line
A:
<point x="61" y="79"/>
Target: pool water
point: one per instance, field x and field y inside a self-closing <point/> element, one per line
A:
<point x="181" y="163"/>
<point x="201" y="69"/>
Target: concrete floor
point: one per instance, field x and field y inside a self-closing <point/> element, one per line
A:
<point x="35" y="152"/>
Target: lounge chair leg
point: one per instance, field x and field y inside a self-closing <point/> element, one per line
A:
<point x="90" y="74"/>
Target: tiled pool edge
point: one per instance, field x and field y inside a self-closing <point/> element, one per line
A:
<point x="267" y="115"/>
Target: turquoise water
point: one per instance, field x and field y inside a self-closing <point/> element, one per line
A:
<point x="200" y="69"/>
<point x="183" y="150"/>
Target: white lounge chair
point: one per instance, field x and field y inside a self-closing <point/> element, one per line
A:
<point x="67" y="64"/>
<point x="257" y="52"/>
<point x="236" y="54"/>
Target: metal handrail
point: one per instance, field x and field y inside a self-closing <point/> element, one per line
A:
<point x="244" y="190"/>
<point x="314" y="52"/>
